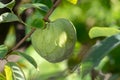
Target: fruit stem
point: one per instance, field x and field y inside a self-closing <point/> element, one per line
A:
<point x="56" y="3"/>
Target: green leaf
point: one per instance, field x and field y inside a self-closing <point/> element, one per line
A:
<point x="17" y="72"/>
<point x="28" y="58"/>
<point x="2" y="5"/>
<point x="11" y="37"/>
<point x="35" y="22"/>
<point x="8" y="73"/>
<point x="35" y="5"/>
<point x="38" y="23"/>
<point x="99" y="51"/>
<point x="11" y="4"/>
<point x="3" y="51"/>
<point x="8" y="17"/>
<point x="8" y="5"/>
<point x="102" y="32"/>
<point x="48" y="3"/>
<point x="2" y="77"/>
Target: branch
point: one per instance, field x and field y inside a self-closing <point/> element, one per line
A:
<point x="21" y="41"/>
<point x="28" y="35"/>
<point x="51" y="11"/>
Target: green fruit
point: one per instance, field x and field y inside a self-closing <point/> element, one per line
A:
<point x="56" y="42"/>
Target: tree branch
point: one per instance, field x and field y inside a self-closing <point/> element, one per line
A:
<point x="21" y="41"/>
<point x="51" y="11"/>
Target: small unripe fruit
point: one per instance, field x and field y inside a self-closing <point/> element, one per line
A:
<point x="55" y="43"/>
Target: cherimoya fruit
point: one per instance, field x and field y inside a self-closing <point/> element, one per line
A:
<point x="55" y="43"/>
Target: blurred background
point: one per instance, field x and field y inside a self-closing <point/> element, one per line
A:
<point x="84" y="15"/>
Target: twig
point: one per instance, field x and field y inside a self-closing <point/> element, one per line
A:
<point x="94" y="74"/>
<point x="83" y="52"/>
<point x="51" y="10"/>
<point x="21" y="41"/>
<point x="33" y="29"/>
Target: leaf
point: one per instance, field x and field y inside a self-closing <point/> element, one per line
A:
<point x="2" y="77"/>
<point x="2" y="5"/>
<point x="28" y="58"/>
<point x="8" y="5"/>
<point x="8" y="17"/>
<point x="114" y="77"/>
<point x="48" y="3"/>
<point x="99" y="51"/>
<point x="102" y="32"/>
<point x="8" y="73"/>
<point x="11" y="37"/>
<point x="13" y="58"/>
<point x="11" y="4"/>
<point x="34" y="21"/>
<point x="73" y="1"/>
<point x="37" y="23"/>
<point x="17" y="73"/>
<point x="3" y="51"/>
<point x="34" y="5"/>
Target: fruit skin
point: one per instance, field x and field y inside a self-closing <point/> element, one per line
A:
<point x="56" y="42"/>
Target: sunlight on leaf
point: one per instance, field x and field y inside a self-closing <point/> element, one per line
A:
<point x="8" y="73"/>
<point x="103" y="32"/>
<point x="2" y="5"/>
<point x="11" y="37"/>
<point x="17" y="73"/>
<point x="73" y="1"/>
<point x="8" y="5"/>
<point x="8" y="17"/>
<point x="11" y="4"/>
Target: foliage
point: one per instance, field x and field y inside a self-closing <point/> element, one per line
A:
<point x="96" y="50"/>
